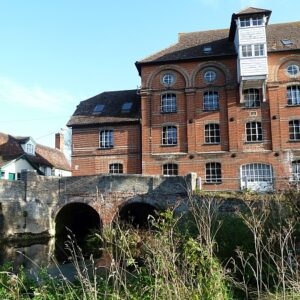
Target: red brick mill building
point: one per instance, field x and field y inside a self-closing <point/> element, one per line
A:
<point x="224" y="104"/>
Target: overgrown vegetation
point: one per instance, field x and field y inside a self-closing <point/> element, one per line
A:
<point x="206" y="253"/>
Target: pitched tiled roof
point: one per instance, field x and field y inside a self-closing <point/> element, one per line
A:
<point x="112" y="109"/>
<point x="191" y="45"/>
<point x="10" y="149"/>
<point x="252" y="10"/>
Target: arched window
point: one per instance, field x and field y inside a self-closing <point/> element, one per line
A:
<point x="211" y="100"/>
<point x="170" y="169"/>
<point x="293" y="95"/>
<point x="116" y="168"/>
<point x="212" y="133"/>
<point x="169" y="135"/>
<point x="253" y="132"/>
<point x="251" y="98"/>
<point x="168" y="103"/>
<point x="213" y="172"/>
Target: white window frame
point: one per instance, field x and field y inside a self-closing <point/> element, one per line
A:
<point x="251" y="22"/>
<point x="253" y="50"/>
<point x="292" y="70"/>
<point x="213" y="172"/>
<point x="168" y="79"/>
<point x="257" y="172"/>
<point x="106" y="138"/>
<point x="29" y="148"/>
<point x="212" y="133"/>
<point x="296" y="170"/>
<point x="293" y="95"/>
<point x="210" y="76"/>
<point x="116" y="168"/>
<point x="169" y="135"/>
<point x="211" y="101"/>
<point x="254" y="131"/>
<point x="251" y="98"/>
<point x="168" y="103"/>
<point x="170" y="169"/>
<point x="294" y="130"/>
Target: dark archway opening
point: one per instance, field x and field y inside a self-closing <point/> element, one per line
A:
<point x="78" y="221"/>
<point x="138" y="215"/>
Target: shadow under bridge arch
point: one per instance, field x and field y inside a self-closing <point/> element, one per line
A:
<point x="77" y="220"/>
<point x="137" y="214"/>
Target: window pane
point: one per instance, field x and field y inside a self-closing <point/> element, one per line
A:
<point x="257" y="172"/>
<point x="211" y="101"/>
<point x="169" y="135"/>
<point x="259" y="50"/>
<point x="106" y="139"/>
<point x="116" y="168"/>
<point x="253" y="132"/>
<point x="293" y="95"/>
<point x="251" y="98"/>
<point x="212" y="133"/>
<point x="170" y="169"/>
<point x="294" y="130"/>
<point x="168" y="103"/>
<point x="246" y="50"/>
<point x="213" y="172"/>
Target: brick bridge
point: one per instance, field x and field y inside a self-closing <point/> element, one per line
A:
<point x="38" y="204"/>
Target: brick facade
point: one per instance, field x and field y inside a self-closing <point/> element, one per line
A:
<point x="142" y="148"/>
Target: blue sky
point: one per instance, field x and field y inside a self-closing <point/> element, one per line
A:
<point x="55" y="53"/>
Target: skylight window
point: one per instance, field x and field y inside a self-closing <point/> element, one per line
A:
<point x="207" y="49"/>
<point x="287" y="42"/>
<point x="98" y="109"/>
<point x="126" y="106"/>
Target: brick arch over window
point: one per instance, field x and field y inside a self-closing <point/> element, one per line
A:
<point x="174" y="68"/>
<point x="210" y="64"/>
<point x="283" y="61"/>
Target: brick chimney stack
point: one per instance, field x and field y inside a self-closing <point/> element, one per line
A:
<point x="59" y="141"/>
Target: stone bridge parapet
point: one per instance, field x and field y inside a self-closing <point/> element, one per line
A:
<point x="32" y="204"/>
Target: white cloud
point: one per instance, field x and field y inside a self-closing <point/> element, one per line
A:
<point x="33" y="96"/>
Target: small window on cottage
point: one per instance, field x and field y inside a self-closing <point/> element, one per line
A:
<point x="246" y="51"/>
<point x="29" y="149"/>
<point x="257" y="21"/>
<point x="259" y="50"/>
<point x="170" y="169"/>
<point x="98" y="109"/>
<point x="126" y="107"/>
<point x="116" y="168"/>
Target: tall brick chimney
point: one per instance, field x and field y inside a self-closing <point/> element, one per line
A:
<point x="59" y="141"/>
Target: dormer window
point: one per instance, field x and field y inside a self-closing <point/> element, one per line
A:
<point x="126" y="107"/>
<point x="249" y="22"/>
<point x="245" y="22"/>
<point x="207" y="49"/>
<point x="29" y="149"/>
<point x="98" y="109"/>
<point x="287" y="42"/>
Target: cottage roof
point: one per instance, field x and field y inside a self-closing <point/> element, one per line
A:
<point x="193" y="45"/>
<point x="11" y="149"/>
<point x="108" y="107"/>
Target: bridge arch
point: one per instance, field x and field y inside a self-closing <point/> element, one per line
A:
<point x="136" y="213"/>
<point x="76" y="219"/>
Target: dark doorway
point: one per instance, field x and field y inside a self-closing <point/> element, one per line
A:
<point x="137" y="214"/>
<point x="75" y="223"/>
